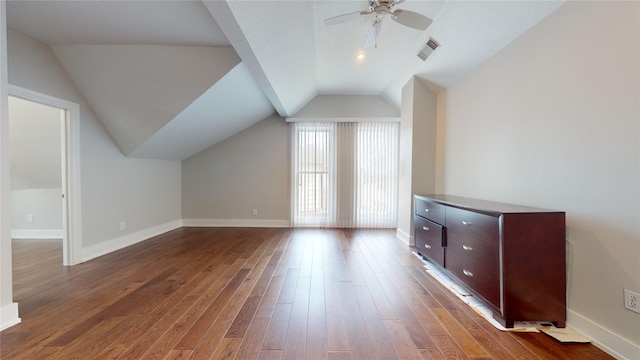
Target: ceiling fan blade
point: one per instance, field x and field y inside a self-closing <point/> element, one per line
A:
<point x="411" y="19"/>
<point x="371" y="39"/>
<point x="345" y="17"/>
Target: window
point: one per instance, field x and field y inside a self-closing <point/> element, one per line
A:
<point x="345" y="174"/>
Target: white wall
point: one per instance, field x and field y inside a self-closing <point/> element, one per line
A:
<point x="36" y="145"/>
<point x="45" y="208"/>
<point x="417" y="170"/>
<point x="8" y="309"/>
<point x="553" y="121"/>
<point x="146" y="194"/>
<point x="250" y="170"/>
<point x="36" y="170"/>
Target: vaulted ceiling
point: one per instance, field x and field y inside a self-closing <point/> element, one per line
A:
<point x="170" y="78"/>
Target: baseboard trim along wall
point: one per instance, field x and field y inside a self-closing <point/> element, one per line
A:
<point x="9" y="316"/>
<point x="604" y="339"/>
<point x="236" y="223"/>
<point x="122" y="242"/>
<point x="36" y="234"/>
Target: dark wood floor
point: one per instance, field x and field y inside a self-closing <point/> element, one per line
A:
<point x="224" y="293"/>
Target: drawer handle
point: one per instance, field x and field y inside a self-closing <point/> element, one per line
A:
<point x="425" y="228"/>
<point x="427" y="246"/>
<point x="468" y="248"/>
<point x="427" y="210"/>
<point x="467" y="273"/>
<point x="466" y="222"/>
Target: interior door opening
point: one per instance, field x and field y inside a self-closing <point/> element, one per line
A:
<point x="37" y="148"/>
<point x="38" y="181"/>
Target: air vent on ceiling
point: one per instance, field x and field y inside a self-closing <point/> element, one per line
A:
<point x="431" y="46"/>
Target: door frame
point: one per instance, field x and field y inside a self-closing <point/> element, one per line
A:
<point x="71" y="224"/>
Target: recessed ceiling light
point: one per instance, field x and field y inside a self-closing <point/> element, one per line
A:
<point x="360" y="56"/>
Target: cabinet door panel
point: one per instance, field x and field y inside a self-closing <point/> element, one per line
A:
<point x="429" y="239"/>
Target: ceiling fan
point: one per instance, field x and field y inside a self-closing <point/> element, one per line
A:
<point x="382" y="8"/>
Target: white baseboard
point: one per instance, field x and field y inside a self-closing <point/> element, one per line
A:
<point x="9" y="316"/>
<point x="404" y="237"/>
<point x="36" y="234"/>
<point x="604" y="339"/>
<point x="112" y="245"/>
<point x="236" y="223"/>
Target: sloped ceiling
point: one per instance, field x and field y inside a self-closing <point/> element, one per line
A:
<point x="159" y="73"/>
<point x="137" y="89"/>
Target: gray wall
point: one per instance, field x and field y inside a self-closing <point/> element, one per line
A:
<point x="36" y="169"/>
<point x="143" y="193"/>
<point x="8" y="309"/>
<point x="250" y="170"/>
<point x="552" y="121"/>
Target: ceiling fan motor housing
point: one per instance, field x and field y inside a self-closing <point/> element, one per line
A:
<point x="381" y="6"/>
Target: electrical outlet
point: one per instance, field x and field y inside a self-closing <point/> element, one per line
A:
<point x="30" y="219"/>
<point x="255" y="212"/>
<point x="631" y="301"/>
<point x="123" y="226"/>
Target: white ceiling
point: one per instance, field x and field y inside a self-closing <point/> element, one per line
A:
<point x="290" y="54"/>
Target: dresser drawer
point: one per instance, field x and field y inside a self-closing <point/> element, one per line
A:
<point x="483" y="255"/>
<point x="481" y="281"/>
<point x="476" y="225"/>
<point x="429" y="210"/>
<point x="429" y="240"/>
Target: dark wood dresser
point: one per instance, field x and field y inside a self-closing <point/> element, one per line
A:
<point x="511" y="257"/>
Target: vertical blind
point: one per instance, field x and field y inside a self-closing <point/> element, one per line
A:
<point x="345" y="174"/>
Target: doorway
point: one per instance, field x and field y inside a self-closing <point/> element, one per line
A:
<point x="37" y="147"/>
<point x="64" y="194"/>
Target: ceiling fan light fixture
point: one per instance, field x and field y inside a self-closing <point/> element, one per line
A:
<point x="430" y="47"/>
<point x="382" y="8"/>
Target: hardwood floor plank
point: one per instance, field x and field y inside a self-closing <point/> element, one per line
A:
<point x="449" y="348"/>
<point x="402" y="343"/>
<point x="253" y="339"/>
<point x="431" y="354"/>
<point x="494" y="348"/>
<point x="414" y="327"/>
<point x="226" y="350"/>
<point x="137" y="302"/>
<point x="178" y="355"/>
<point x="316" y="339"/>
<point x="241" y="323"/>
<point x="466" y="342"/>
<point x="252" y="293"/>
<point x="270" y="355"/>
<point x="295" y="341"/>
<point x="340" y="355"/>
<point x="337" y="336"/>
<point x="288" y="291"/>
<point x="179" y="329"/>
<point x="89" y="344"/>
<point x="360" y="344"/>
<point x="277" y="331"/>
<point x="382" y="304"/>
<point x="198" y="330"/>
<point x="376" y="330"/>
<point x="270" y="298"/>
